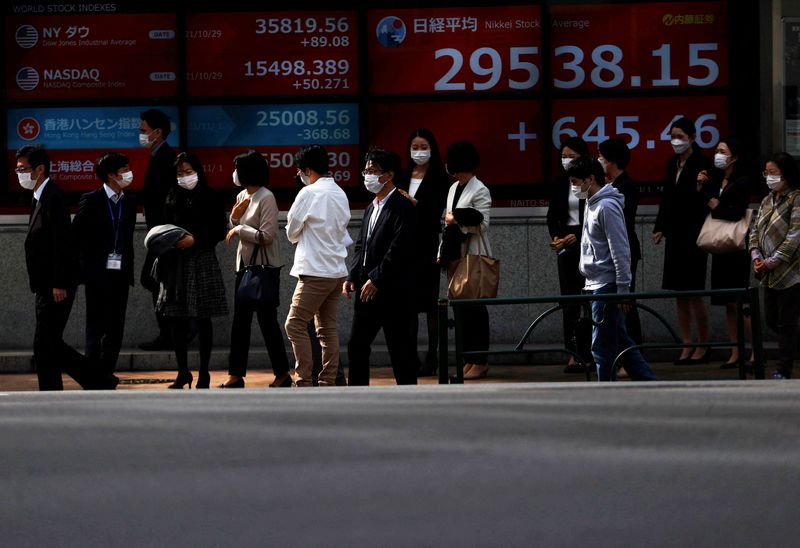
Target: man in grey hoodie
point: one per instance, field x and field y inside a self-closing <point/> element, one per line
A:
<point x="606" y="264"/>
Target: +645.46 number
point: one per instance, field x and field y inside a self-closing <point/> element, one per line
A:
<point x="595" y="132"/>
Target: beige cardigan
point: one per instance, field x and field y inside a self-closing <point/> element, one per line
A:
<point x="474" y="195"/>
<point x="258" y="226"/>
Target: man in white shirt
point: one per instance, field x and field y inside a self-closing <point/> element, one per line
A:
<point x="317" y="223"/>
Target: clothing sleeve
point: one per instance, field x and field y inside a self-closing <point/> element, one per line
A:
<point x="64" y="253"/>
<point x="481" y="201"/>
<point x="555" y="212"/>
<point x="296" y="218"/>
<point x="80" y="223"/>
<point x="267" y="228"/>
<point x="664" y="206"/>
<point x="785" y="252"/>
<point x="468" y="216"/>
<point x="753" y="240"/>
<point x="357" y="261"/>
<point x="617" y="236"/>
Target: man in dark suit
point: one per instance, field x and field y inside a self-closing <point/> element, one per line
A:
<point x="103" y="229"/>
<point x="52" y="271"/>
<point x="154" y="129"/>
<point x="381" y="274"/>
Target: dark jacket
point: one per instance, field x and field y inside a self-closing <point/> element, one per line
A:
<point x="386" y="257"/>
<point x="628" y="188"/>
<point x="682" y="209"/>
<point x="734" y="200"/>
<point x="49" y="251"/>
<point x="200" y="212"/>
<point x="158" y="181"/>
<point x="558" y="211"/>
<point x="94" y="232"/>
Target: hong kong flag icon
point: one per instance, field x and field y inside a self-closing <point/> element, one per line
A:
<point x="28" y="129"/>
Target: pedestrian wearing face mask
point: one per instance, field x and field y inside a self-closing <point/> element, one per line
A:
<point x="466" y="231"/>
<point x="317" y="224"/>
<point x="254" y="221"/>
<point x="379" y="274"/>
<point x="727" y="188"/>
<point x="154" y="129"/>
<point x="103" y="230"/>
<point x="681" y="214"/>
<point x="425" y="183"/>
<point x="192" y="289"/>
<point x="52" y="274"/>
<point x="773" y="247"/>
<point x="564" y="222"/>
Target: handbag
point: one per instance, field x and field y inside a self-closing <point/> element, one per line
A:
<point x="720" y="236"/>
<point x="474" y="276"/>
<point x="260" y="284"/>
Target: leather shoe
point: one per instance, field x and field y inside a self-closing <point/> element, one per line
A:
<point x="283" y="381"/>
<point x="235" y="384"/>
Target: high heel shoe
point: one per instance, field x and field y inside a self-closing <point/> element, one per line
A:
<point x="181" y="380"/>
<point x="284" y="381"/>
<point x="203" y="380"/>
<point x="477" y="372"/>
<point x="235" y="384"/>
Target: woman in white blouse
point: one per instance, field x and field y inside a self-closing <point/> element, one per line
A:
<point x="254" y="220"/>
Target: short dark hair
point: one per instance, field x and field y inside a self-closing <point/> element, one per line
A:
<point x="36" y="156"/>
<point x="313" y="157"/>
<point x="583" y="168"/>
<point x="577" y="144"/>
<point x="252" y="168"/>
<point x="615" y="150"/>
<point x="109" y="163"/>
<point x="157" y="120"/>
<point x="788" y="166"/>
<point x="686" y="125"/>
<point x="462" y="156"/>
<point x="385" y="159"/>
<point x="197" y="165"/>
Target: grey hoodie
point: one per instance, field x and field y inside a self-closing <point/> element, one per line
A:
<point x="605" y="253"/>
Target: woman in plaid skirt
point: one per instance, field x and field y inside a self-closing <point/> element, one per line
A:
<point x="195" y="290"/>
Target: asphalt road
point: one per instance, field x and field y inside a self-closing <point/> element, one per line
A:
<point x="660" y="464"/>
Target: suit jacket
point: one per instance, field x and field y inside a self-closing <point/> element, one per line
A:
<point x="683" y="210"/>
<point x="558" y="210"/>
<point x="628" y="188"/>
<point x="158" y="181"/>
<point x="475" y="196"/>
<point x="49" y="252"/>
<point x="386" y="257"/>
<point x="94" y="234"/>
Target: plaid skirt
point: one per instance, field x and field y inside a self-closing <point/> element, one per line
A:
<point x="201" y="289"/>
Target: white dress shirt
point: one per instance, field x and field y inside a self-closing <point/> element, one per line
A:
<point x="38" y="192"/>
<point x="317" y="223"/>
<point x="413" y="186"/>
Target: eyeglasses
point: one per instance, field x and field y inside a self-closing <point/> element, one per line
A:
<point x="23" y="169"/>
<point x="767" y="174"/>
<point x="371" y="172"/>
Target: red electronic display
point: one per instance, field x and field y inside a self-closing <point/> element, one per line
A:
<point x="74" y="170"/>
<point x="674" y="45"/>
<point x="644" y="124"/>
<point x="97" y="56"/>
<point x="452" y="50"/>
<point x="218" y="164"/>
<point x="272" y="54"/>
<point x="507" y="133"/>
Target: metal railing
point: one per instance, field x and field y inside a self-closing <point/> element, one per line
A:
<point x="743" y="297"/>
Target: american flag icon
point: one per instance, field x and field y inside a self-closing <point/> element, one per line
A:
<point x="27" y="36"/>
<point x="27" y="78"/>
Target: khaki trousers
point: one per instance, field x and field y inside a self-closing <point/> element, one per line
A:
<point x="316" y="298"/>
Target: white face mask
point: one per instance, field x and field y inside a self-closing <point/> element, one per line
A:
<point x="579" y="192"/>
<point x="721" y="161"/>
<point x="236" y="180"/>
<point x="604" y="163"/>
<point x="565" y="162"/>
<point x="680" y="146"/>
<point x="305" y="179"/>
<point x="774" y="182"/>
<point x="188" y="182"/>
<point x="144" y="140"/>
<point x="421" y="157"/>
<point x="26" y="180"/>
<point x="373" y="184"/>
<point x="127" y="178"/>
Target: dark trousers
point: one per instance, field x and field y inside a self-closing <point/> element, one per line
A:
<point x="570" y="282"/>
<point x="106" y="304"/>
<point x="151" y="285"/>
<point x="50" y="353"/>
<point x="475" y="333"/>
<point x="368" y="318"/>
<point x="781" y="311"/>
<point x="240" y="337"/>
<point x="180" y="335"/>
<point x="633" y="324"/>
